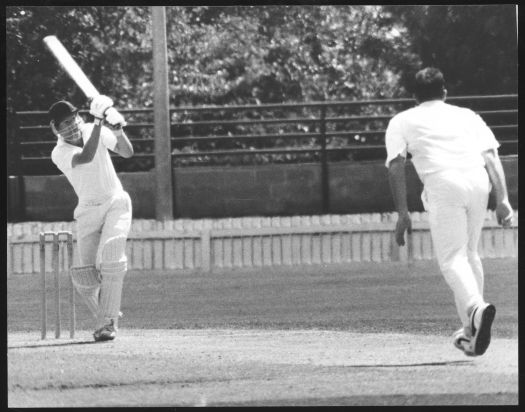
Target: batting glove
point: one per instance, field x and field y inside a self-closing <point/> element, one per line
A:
<point x="114" y="118"/>
<point x="99" y="105"/>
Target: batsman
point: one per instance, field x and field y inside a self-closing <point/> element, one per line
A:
<point x="103" y="213"/>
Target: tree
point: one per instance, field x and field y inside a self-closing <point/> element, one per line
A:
<point x="250" y="54"/>
<point x="109" y="43"/>
<point x="475" y="45"/>
<point x="219" y="55"/>
<point x="288" y="53"/>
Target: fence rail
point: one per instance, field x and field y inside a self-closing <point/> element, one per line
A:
<point x="263" y="242"/>
<point x="317" y="131"/>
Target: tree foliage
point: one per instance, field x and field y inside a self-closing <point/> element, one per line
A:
<point x="475" y="46"/>
<point x="111" y="44"/>
<point x="252" y="54"/>
<point x="285" y="53"/>
<point x="219" y="55"/>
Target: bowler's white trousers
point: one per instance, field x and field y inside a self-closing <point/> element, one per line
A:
<point x="98" y="222"/>
<point x="456" y="201"/>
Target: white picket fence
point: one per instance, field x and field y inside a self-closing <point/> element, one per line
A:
<point x="258" y="241"/>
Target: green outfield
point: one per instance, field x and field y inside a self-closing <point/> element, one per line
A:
<point x="368" y="297"/>
<point x="356" y="334"/>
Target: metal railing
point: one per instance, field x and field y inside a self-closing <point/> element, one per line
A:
<point x="267" y="133"/>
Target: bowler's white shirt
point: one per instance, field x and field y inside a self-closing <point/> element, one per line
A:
<point x="439" y="136"/>
<point x="94" y="181"/>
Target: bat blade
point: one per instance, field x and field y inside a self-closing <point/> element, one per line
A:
<point x="70" y="66"/>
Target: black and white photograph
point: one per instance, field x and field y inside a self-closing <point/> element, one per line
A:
<point x="265" y="205"/>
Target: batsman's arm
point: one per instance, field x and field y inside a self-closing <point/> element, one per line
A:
<point x="116" y="122"/>
<point x="497" y="177"/>
<point x="90" y="148"/>
<point x="397" y="179"/>
<point x="123" y="147"/>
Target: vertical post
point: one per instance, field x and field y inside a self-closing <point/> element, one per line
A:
<point x="325" y="188"/>
<point x="163" y="167"/>
<point x="43" y="284"/>
<point x="16" y="197"/>
<point x="56" y="270"/>
<point x="206" y="251"/>
<point x="72" y="318"/>
<point x="14" y="164"/>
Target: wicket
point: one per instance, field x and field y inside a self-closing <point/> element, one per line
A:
<point x="64" y="237"/>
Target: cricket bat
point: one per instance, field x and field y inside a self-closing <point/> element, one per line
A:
<point x="71" y="67"/>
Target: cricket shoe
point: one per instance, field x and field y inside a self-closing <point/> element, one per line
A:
<point x="105" y="333"/>
<point x="462" y="341"/>
<point x="481" y="333"/>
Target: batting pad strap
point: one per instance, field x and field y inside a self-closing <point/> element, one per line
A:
<point x="113" y="267"/>
<point x="114" y="249"/>
<point x="85" y="276"/>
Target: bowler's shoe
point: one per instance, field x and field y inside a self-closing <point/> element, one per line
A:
<point x="481" y="333"/>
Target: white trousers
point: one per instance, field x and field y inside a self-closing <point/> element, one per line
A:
<point x="99" y="222"/>
<point x="457" y="202"/>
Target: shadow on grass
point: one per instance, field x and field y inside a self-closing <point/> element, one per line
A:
<point x="449" y="399"/>
<point x="52" y="345"/>
<point x="411" y="365"/>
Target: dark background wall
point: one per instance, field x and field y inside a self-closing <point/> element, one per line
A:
<point x="215" y="192"/>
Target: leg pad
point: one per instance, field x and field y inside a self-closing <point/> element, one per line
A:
<point x="86" y="280"/>
<point x="111" y="288"/>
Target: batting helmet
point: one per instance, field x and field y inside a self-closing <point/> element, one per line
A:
<point x="60" y="110"/>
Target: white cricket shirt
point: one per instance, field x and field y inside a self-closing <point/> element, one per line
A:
<point x="439" y="136"/>
<point x="97" y="180"/>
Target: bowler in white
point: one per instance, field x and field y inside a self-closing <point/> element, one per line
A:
<point x="455" y="154"/>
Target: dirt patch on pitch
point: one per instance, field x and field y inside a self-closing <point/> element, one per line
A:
<point x="256" y="367"/>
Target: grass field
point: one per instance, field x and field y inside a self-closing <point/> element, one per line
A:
<point x="366" y="297"/>
<point x="265" y="328"/>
